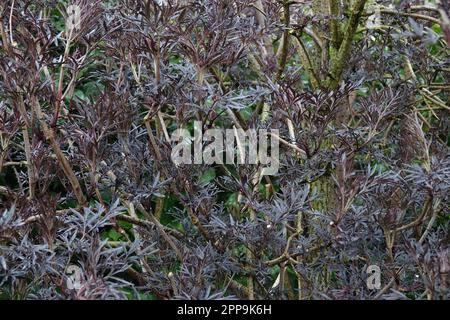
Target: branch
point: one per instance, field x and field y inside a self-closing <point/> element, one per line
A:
<point x="340" y="58"/>
<point x="285" y="39"/>
<point x="412" y="15"/>
<point x="62" y="160"/>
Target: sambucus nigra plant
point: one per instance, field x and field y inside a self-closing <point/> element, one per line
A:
<point x="357" y="89"/>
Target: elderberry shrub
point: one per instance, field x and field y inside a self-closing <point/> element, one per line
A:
<point x="93" y="207"/>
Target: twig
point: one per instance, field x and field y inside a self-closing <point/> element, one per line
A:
<point x="160" y="228"/>
<point x="301" y="152"/>
<point x="412" y="15"/>
<point x="63" y="162"/>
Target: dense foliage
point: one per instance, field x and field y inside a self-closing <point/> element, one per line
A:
<point x="357" y="89"/>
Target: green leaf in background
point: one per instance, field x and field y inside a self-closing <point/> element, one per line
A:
<point x="208" y="176"/>
<point x="114" y="235"/>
